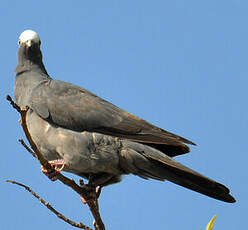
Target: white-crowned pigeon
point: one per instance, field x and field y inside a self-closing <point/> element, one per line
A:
<point x="93" y="138"/>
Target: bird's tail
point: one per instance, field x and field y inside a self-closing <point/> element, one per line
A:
<point x="147" y="162"/>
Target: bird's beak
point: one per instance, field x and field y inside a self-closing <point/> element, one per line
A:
<point x="28" y="43"/>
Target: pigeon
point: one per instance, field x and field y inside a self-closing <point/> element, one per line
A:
<point x="81" y="133"/>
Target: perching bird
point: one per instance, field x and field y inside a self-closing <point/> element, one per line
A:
<point x="88" y="136"/>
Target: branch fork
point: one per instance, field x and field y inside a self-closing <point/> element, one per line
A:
<point x="92" y="200"/>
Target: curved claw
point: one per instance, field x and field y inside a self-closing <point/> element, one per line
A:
<point x="58" y="165"/>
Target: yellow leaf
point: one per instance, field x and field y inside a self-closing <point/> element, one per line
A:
<point x="211" y="223"/>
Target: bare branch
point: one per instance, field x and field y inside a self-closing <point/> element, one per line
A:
<point x="27" y="148"/>
<point x="91" y="201"/>
<point x="15" y="106"/>
<point x="50" y="207"/>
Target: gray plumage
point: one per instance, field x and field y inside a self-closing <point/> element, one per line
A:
<point x="94" y="137"/>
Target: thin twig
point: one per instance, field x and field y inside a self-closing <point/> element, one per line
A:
<point x="27" y="148"/>
<point x="91" y="202"/>
<point x="50" y="207"/>
<point x="15" y="106"/>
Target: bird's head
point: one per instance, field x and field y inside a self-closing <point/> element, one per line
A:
<point x="29" y="45"/>
<point x="29" y="53"/>
<point x="29" y="38"/>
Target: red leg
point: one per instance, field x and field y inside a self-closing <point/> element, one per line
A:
<point x="58" y="165"/>
<point x="83" y="200"/>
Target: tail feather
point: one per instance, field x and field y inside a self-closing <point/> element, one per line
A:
<point x="150" y="163"/>
<point x="194" y="181"/>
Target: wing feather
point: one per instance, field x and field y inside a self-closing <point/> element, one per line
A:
<point x="78" y="109"/>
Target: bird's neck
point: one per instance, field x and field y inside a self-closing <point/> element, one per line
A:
<point x="30" y="60"/>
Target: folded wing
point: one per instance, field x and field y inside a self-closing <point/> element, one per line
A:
<point x="78" y="109"/>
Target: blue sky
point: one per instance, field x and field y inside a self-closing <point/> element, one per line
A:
<point x="181" y="65"/>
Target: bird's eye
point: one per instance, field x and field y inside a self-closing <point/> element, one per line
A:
<point x="19" y="42"/>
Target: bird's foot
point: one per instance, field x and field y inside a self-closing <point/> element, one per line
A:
<point x="90" y="191"/>
<point x="58" y="165"/>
